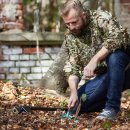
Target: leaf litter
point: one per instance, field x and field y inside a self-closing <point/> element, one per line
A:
<point x="11" y="96"/>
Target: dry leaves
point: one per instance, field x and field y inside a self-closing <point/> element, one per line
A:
<point x="11" y="96"/>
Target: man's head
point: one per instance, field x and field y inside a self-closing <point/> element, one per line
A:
<point x="74" y="16"/>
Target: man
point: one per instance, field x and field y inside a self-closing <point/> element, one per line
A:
<point x="94" y="40"/>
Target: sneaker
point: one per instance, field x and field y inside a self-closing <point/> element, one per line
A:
<point x="107" y="114"/>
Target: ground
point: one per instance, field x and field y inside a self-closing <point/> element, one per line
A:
<point x="12" y="95"/>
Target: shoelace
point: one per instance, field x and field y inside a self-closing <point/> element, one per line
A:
<point x="107" y="113"/>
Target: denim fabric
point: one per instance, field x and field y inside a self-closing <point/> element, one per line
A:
<point x="104" y="91"/>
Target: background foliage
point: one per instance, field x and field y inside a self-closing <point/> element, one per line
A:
<point x="49" y="18"/>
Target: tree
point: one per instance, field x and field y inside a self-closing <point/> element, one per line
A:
<point x="55" y="78"/>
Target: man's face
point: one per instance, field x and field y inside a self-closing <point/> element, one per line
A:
<point x="75" y="21"/>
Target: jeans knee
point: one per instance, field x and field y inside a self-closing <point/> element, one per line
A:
<point x="116" y="58"/>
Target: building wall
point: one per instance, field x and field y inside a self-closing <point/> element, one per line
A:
<point x="11" y="15"/>
<point x="19" y="62"/>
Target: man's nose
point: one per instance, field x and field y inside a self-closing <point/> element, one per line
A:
<point x="71" y="27"/>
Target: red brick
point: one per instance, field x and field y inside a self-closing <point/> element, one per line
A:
<point x="32" y="50"/>
<point x="1" y="50"/>
<point x="1" y="57"/>
<point x="3" y="70"/>
<point x="129" y="8"/>
<point x="125" y="1"/>
<point x="126" y="6"/>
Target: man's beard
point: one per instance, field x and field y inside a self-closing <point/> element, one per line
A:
<point x="78" y="31"/>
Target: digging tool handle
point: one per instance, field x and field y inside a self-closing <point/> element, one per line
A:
<point x="20" y="109"/>
<point x="48" y="108"/>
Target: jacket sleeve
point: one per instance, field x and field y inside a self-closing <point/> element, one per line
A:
<point x="72" y="66"/>
<point x="115" y="36"/>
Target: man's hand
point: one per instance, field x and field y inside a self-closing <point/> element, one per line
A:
<point x="90" y="68"/>
<point x="72" y="100"/>
<point x="73" y="83"/>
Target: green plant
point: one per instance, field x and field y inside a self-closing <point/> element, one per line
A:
<point x="128" y="92"/>
<point x="83" y="98"/>
<point x="25" y="2"/>
<point x="63" y="103"/>
<point x="107" y="125"/>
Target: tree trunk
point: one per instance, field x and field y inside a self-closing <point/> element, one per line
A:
<point x="55" y="78"/>
<point x="111" y="7"/>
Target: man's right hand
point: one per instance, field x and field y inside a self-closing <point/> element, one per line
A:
<point x="72" y="100"/>
<point x="73" y="83"/>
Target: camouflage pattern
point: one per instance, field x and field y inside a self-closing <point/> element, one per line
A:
<point x="102" y="30"/>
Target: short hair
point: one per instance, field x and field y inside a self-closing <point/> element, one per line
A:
<point x="69" y="4"/>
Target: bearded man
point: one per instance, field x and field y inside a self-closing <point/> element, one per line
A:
<point x="95" y="40"/>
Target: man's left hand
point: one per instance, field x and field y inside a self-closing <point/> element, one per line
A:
<point x="90" y="68"/>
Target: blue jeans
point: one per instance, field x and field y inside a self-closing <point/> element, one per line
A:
<point x="104" y="91"/>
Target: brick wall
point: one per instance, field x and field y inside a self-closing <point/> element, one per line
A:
<point x="124" y="13"/>
<point x="17" y="62"/>
<point x="11" y="15"/>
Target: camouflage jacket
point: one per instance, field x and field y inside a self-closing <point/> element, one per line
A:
<point x="102" y="30"/>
